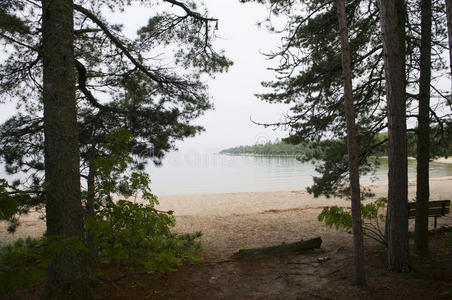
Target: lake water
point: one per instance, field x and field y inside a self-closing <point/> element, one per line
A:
<point x="196" y="173"/>
<point x="192" y="173"/>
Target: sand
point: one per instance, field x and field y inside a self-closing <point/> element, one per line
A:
<point x="233" y="220"/>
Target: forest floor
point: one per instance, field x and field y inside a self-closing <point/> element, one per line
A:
<point x="232" y="221"/>
<point x="324" y="273"/>
<point x="319" y="274"/>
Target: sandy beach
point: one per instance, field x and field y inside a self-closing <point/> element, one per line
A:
<point x="234" y="220"/>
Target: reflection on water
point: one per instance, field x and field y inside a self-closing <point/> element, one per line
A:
<point x="214" y="173"/>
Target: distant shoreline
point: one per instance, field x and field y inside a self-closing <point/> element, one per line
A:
<point x="260" y="155"/>
<point x="442" y="160"/>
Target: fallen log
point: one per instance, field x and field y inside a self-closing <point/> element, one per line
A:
<point x="279" y="250"/>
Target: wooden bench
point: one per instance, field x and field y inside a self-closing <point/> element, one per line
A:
<point x="436" y="209"/>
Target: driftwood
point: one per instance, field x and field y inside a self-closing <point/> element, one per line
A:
<point x="279" y="250"/>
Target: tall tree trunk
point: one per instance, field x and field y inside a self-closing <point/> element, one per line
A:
<point x="397" y="212"/>
<point x="64" y="213"/>
<point x="423" y="131"/>
<point x="90" y="211"/>
<point x="91" y="195"/>
<point x="449" y="30"/>
<point x="358" y="244"/>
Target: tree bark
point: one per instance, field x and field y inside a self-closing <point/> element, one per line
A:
<point x="423" y="132"/>
<point x="358" y="244"/>
<point x="64" y="215"/>
<point x="91" y="195"/>
<point x="449" y="31"/>
<point x="397" y="211"/>
<point x="90" y="211"/>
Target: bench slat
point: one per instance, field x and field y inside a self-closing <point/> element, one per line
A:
<point x="435" y="208"/>
<point x="440" y="203"/>
<point x="431" y="212"/>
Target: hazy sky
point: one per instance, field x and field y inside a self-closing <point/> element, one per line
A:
<point x="232" y="93"/>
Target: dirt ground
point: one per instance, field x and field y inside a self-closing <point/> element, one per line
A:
<point x="324" y="273"/>
<point x="232" y="221"/>
<point x="320" y="274"/>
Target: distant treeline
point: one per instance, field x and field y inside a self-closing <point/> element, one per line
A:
<point x="439" y="147"/>
<point x="440" y="144"/>
<point x="270" y="148"/>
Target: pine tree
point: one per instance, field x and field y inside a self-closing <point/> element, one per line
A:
<point x="309" y="78"/>
<point x="355" y="191"/>
<point x="120" y="84"/>
<point x="64" y="217"/>
<point x="423" y="131"/>
<point x="449" y="31"/>
<point x="397" y="212"/>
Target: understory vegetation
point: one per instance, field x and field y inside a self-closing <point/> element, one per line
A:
<point x="371" y="213"/>
<point x="126" y="228"/>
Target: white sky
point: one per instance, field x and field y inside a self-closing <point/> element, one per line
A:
<point x="229" y="124"/>
<point x="232" y="93"/>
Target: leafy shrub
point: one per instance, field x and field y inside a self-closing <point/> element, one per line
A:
<point x="372" y="217"/>
<point x="19" y="265"/>
<point x="23" y="262"/>
<point x="130" y="232"/>
<point x="121" y="231"/>
<point x="134" y="233"/>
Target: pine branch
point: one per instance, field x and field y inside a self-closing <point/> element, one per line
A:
<point x="190" y="12"/>
<point x="162" y="80"/>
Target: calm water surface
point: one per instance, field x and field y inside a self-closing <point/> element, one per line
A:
<point x="195" y="173"/>
<point x="191" y="173"/>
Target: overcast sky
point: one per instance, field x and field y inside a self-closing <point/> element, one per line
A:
<point x="232" y="93"/>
